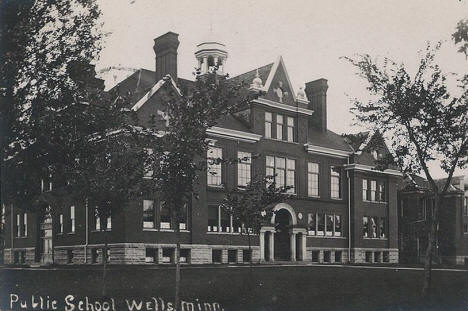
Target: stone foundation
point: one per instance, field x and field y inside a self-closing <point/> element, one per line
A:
<point x="374" y="255"/>
<point x="27" y="253"/>
<point x="320" y="251"/>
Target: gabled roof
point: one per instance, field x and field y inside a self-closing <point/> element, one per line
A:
<point x="154" y="90"/>
<point x="247" y="77"/>
<point x="416" y="182"/>
<point x="137" y="83"/>
<point x="357" y="141"/>
<point x="328" y="139"/>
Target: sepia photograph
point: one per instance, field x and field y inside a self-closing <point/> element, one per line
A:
<point x="222" y="155"/>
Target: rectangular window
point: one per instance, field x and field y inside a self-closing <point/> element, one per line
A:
<point x="214" y="158"/>
<point x="148" y="214"/>
<point x="382" y="227"/>
<point x="373" y="227"/>
<point x="465" y="206"/>
<point x="151" y="255"/>
<point x="270" y="168"/>
<point x="373" y="190"/>
<point x="25" y="225"/>
<point x="320" y="224"/>
<point x="216" y="255"/>
<point x="315" y="256"/>
<point x="280" y="167"/>
<point x="365" y="226"/>
<point x="338" y="226"/>
<point x="365" y="190"/>
<point x="98" y="223"/>
<point x="290" y="129"/>
<point x="465" y="228"/>
<point x="72" y="219"/>
<point x="335" y="182"/>
<point x="338" y="256"/>
<point x="106" y="225"/>
<point x="232" y="255"/>
<point x="60" y="223"/>
<point x="279" y="127"/>
<point x="311" y="224"/>
<point x="213" y="218"/>
<point x="184" y="217"/>
<point x="313" y="179"/>
<point x="148" y="173"/>
<point x="268" y="124"/>
<point x="225" y="221"/>
<point x="381" y="192"/>
<point x="291" y="175"/>
<point x="165" y="216"/>
<point x="329" y="225"/>
<point x="243" y="168"/>
<point x="18" y="225"/>
<point x="326" y="256"/>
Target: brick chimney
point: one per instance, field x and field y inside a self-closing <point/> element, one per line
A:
<point x="317" y="94"/>
<point x="165" y="48"/>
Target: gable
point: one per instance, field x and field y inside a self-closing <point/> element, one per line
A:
<point x="374" y="149"/>
<point x="278" y="86"/>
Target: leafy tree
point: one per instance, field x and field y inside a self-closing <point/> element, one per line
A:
<point x="421" y="118"/>
<point x="178" y="156"/>
<point x="252" y="205"/>
<point x="460" y="36"/>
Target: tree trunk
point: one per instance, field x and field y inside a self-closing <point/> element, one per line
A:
<point x="177" y="269"/>
<point x="427" y="286"/>
<point x="104" y="265"/>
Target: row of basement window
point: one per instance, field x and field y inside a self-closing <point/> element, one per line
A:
<point x="284" y="170"/>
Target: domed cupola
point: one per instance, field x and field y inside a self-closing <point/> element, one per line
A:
<point x="211" y="53"/>
<point x="257" y="82"/>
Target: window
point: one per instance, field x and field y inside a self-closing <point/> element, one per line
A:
<point x="279" y="127"/>
<point x="94" y="255"/>
<point x="313" y="179"/>
<point x="320" y="224"/>
<point x="151" y="255"/>
<point x="165" y="221"/>
<point x="335" y="183"/>
<point x="326" y="256"/>
<point x="214" y="158"/>
<point x="311" y="224"/>
<point x="70" y="256"/>
<point x="213" y="218"/>
<point x="377" y="256"/>
<point x="148" y="214"/>
<point x="280" y="166"/>
<point x="365" y="190"/>
<point x="216" y="255"/>
<point x="24" y="228"/>
<point x="373" y="190"/>
<point x="268" y="124"/>
<point x="465" y="206"/>
<point x="315" y="256"/>
<point x="148" y="171"/>
<point x="60" y="223"/>
<point x="365" y="226"/>
<point x="338" y="225"/>
<point x="373" y="227"/>
<point x="338" y="256"/>
<point x="290" y="129"/>
<point x="104" y="225"/>
<point x="183" y="217"/>
<point x="246" y="255"/>
<point x="72" y="219"/>
<point x="184" y="255"/>
<point x="243" y="168"/>
<point x="46" y="183"/>
<point x="329" y="225"/>
<point x="465" y="228"/>
<point x="18" y="225"/>
<point x="225" y="221"/>
<point x="382" y="228"/>
<point x="385" y="256"/>
<point x="291" y="175"/>
<point x="167" y="255"/>
<point x="232" y="255"/>
<point x="368" y="256"/>
<point x="284" y="169"/>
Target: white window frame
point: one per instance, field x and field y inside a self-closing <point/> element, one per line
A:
<point x="148" y="205"/>
<point x="214" y="180"/>
<point x="365" y="185"/>
<point x="373" y="190"/>
<point x="335" y="187"/>
<point x="244" y="168"/>
<point x="72" y="219"/>
<point x="61" y="223"/>
<point x="313" y="178"/>
<point x="291" y="175"/>
<point x="290" y="132"/>
<point x="279" y="126"/>
<point x="268" y="124"/>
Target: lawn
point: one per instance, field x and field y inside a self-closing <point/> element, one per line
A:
<point x="233" y="288"/>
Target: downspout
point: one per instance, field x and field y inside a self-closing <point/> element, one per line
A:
<point x="11" y="233"/>
<point x="86" y="242"/>
<point x="349" y="214"/>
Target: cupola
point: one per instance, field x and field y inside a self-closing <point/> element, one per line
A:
<point x="211" y="53"/>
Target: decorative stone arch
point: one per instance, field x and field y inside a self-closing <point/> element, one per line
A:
<point x="286" y="207"/>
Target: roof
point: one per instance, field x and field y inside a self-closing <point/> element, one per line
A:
<point x="247" y="77"/>
<point x="230" y="122"/>
<point x="138" y="83"/>
<point x="416" y="182"/>
<point x="328" y="139"/>
<point x="357" y="140"/>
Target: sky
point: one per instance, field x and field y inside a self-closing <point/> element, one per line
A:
<point x="311" y="36"/>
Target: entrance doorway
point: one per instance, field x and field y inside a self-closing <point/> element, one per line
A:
<point x="46" y="237"/>
<point x="282" y="239"/>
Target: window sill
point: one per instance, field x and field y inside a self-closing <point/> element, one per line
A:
<point x="378" y="202"/>
<point x="325" y="236"/>
<point x="336" y="199"/>
<point x="21" y="237"/>
<point x="170" y="230"/>
<point x="375" y="239"/>
<point x="281" y="140"/>
<point x="229" y="233"/>
<point x="107" y="230"/>
<point x="72" y="233"/>
<point x="313" y="196"/>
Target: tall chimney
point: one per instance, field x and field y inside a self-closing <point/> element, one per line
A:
<point x="317" y="94"/>
<point x="165" y="48"/>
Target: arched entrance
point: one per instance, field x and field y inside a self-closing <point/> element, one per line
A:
<point x="283" y="223"/>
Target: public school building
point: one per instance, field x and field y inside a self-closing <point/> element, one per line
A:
<point x="342" y="209"/>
